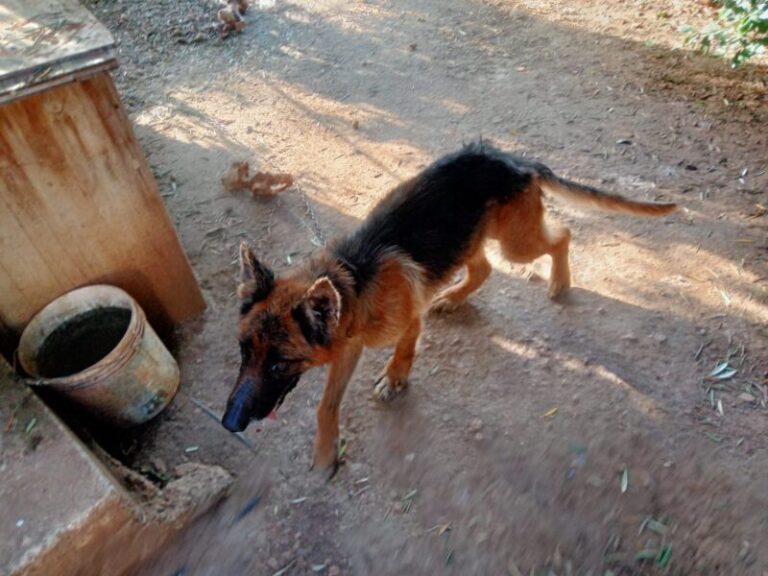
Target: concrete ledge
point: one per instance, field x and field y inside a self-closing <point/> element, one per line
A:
<point x="63" y="512"/>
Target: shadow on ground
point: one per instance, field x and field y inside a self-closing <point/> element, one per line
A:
<point x="509" y="449"/>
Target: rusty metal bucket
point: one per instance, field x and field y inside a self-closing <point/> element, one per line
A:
<point x="94" y="346"/>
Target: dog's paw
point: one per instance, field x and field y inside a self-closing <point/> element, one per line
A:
<point x="444" y="305"/>
<point x="557" y="289"/>
<point x="387" y="389"/>
<point x="325" y="460"/>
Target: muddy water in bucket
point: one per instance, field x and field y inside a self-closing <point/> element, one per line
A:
<point x="82" y="341"/>
<point x="94" y="346"/>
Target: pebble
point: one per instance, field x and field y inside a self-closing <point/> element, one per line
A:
<point x="159" y="465"/>
<point x="476" y="425"/>
<point x="746" y="397"/>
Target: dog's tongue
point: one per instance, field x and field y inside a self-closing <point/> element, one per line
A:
<point x="272" y="415"/>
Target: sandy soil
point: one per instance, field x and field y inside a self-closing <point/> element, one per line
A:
<point x="580" y="437"/>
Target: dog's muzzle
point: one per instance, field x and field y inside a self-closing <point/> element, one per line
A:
<point x="240" y="406"/>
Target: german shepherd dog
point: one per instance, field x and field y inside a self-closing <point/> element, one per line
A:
<point x="373" y="287"/>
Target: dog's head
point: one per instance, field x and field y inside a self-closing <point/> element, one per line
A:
<point x="286" y="327"/>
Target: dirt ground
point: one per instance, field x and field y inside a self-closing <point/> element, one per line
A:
<point x="587" y="436"/>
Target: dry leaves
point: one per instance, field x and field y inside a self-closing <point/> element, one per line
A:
<point x="231" y="16"/>
<point x="260" y="184"/>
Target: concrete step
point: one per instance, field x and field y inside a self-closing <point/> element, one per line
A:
<point x="64" y="511"/>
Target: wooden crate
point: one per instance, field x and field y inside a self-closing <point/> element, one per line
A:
<point x="78" y="203"/>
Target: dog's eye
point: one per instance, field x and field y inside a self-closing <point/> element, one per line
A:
<point x="279" y="368"/>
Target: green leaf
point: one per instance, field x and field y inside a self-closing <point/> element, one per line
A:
<point x="665" y="555"/>
<point x="657" y="527"/>
<point x="714" y="437"/>
<point x="648" y="554"/>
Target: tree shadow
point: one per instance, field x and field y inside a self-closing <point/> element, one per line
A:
<point x="590" y="105"/>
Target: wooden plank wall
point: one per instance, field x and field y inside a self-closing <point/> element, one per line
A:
<point x="79" y="205"/>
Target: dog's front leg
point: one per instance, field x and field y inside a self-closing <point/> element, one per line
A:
<point x="325" y="457"/>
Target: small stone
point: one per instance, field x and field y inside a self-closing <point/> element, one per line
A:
<point x="334" y="570"/>
<point x="660" y="338"/>
<point x="356" y="125"/>
<point x="410" y="457"/>
<point x="272" y="563"/>
<point x="479" y="437"/>
<point x="159" y="465"/>
<point x="476" y="425"/>
<point x="746" y="397"/>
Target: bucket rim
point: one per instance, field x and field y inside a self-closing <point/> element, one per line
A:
<point x="120" y="354"/>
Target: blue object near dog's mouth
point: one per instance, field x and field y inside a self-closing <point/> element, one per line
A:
<point x="240" y="406"/>
<point x="243" y="406"/>
<point x="235" y="421"/>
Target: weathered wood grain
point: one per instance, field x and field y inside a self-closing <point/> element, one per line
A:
<point x="43" y="44"/>
<point x="79" y="205"/>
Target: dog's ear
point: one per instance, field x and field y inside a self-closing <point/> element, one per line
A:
<point x="256" y="280"/>
<point x="319" y="312"/>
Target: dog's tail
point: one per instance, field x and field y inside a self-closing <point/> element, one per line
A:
<point x="582" y="194"/>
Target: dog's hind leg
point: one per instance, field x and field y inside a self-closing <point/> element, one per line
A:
<point x="525" y="235"/>
<point x="478" y="270"/>
<point x="394" y="379"/>
<point x="560" y="275"/>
